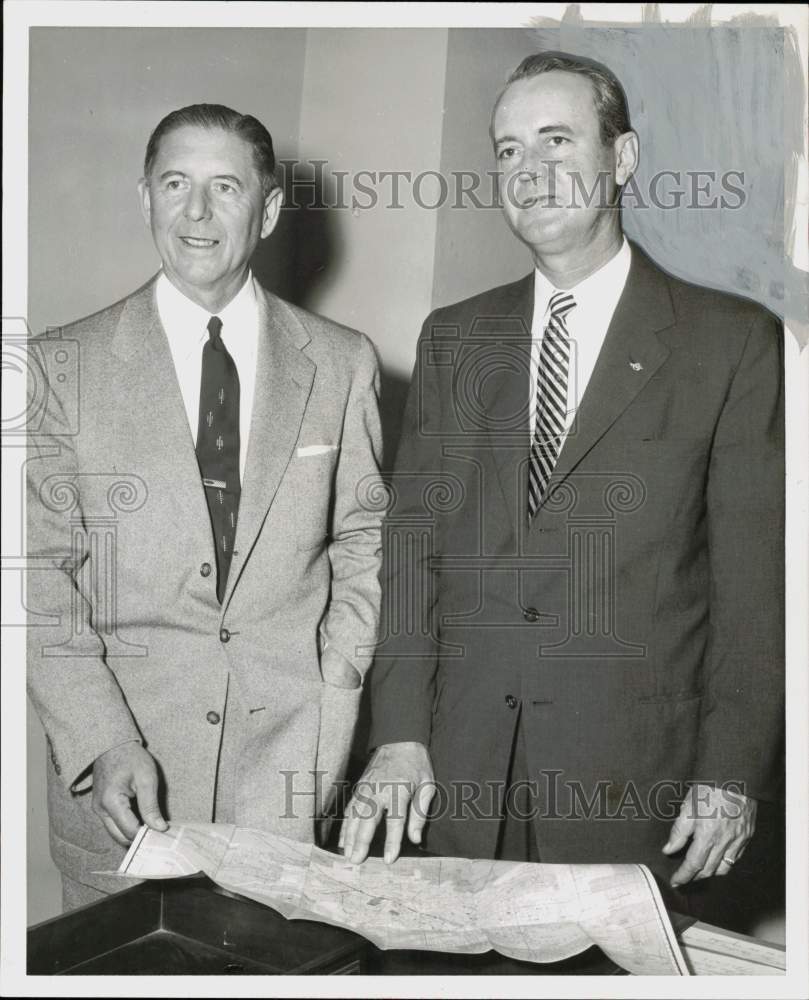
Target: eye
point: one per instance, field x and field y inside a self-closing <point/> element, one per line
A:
<point x="507" y="153"/>
<point x="222" y="187"/>
<point x="174" y="184"/>
<point x="558" y="140"/>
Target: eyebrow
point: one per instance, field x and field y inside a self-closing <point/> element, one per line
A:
<point x="230" y="178"/>
<point x="557" y="127"/>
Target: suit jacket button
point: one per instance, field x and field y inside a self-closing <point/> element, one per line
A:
<point x="214" y="718"/>
<point x="224" y="635"/>
<point x="531" y="615"/>
<point x="205" y="569"/>
<point x="511" y="701"/>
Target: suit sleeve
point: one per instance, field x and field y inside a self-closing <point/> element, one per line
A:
<point x="402" y="679"/>
<point x="743" y="693"/>
<point x="76" y="695"/>
<point x="352" y="620"/>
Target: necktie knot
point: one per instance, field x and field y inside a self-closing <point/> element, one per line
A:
<point x="215" y="332"/>
<point x="560" y="305"/>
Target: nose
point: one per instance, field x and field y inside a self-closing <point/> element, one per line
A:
<point x="197" y="206"/>
<point x="532" y="166"/>
<point x="526" y="181"/>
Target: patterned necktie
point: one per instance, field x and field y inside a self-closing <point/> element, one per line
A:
<point x="218" y="446"/>
<point x="551" y="401"/>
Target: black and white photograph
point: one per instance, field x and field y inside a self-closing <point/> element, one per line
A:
<point x="405" y="443"/>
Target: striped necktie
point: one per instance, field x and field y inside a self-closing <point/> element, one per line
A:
<point x="551" y="400"/>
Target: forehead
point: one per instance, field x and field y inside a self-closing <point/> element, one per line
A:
<point x="552" y="98"/>
<point x="211" y="150"/>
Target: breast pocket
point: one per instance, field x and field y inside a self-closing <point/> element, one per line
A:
<point x="307" y="493"/>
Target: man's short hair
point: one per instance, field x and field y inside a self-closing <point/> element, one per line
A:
<point x="212" y="116"/>
<point x="608" y="94"/>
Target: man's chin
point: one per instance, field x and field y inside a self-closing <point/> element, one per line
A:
<point x="191" y="280"/>
<point x="211" y="287"/>
<point x="539" y="233"/>
<point x="198" y="275"/>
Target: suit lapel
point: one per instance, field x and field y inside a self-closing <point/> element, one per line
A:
<point x="284" y="377"/>
<point x="508" y="400"/>
<point x="160" y="444"/>
<point x="629" y="357"/>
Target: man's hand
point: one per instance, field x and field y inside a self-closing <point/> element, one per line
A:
<point x="398" y="779"/>
<point x="120" y="774"/>
<point x="720" y="823"/>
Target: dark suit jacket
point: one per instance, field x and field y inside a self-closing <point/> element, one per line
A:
<point x="636" y="627"/>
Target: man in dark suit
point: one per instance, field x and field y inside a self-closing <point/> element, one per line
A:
<point x="581" y="659"/>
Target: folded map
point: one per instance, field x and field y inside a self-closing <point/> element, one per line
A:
<point x="531" y="912"/>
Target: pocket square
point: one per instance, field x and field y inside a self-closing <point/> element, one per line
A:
<point x="315" y="449"/>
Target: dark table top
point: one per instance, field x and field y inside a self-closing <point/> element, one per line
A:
<point x="190" y="926"/>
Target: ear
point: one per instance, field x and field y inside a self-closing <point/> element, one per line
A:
<point x="272" y="210"/>
<point x="145" y="200"/>
<point x="627" y="155"/>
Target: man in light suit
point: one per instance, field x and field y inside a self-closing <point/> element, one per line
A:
<point x="602" y="579"/>
<point x="206" y="585"/>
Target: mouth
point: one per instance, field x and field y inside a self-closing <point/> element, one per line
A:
<point x="198" y="244"/>
<point x="540" y="201"/>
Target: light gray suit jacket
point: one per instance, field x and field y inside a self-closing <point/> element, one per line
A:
<point x="126" y="637"/>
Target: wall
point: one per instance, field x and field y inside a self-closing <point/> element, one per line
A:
<point x="704" y="100"/>
<point x="377" y="270"/>
<point x="95" y="95"/>
<point x="372" y="102"/>
<point x="475" y="249"/>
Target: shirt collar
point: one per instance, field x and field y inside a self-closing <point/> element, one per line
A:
<point x="241" y="309"/>
<point x="187" y="315"/>
<point x="606" y="283"/>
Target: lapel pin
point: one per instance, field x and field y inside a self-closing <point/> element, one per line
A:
<point x="636" y="366"/>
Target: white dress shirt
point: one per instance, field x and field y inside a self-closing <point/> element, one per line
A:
<point x="186" y="326"/>
<point x="596" y="298"/>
